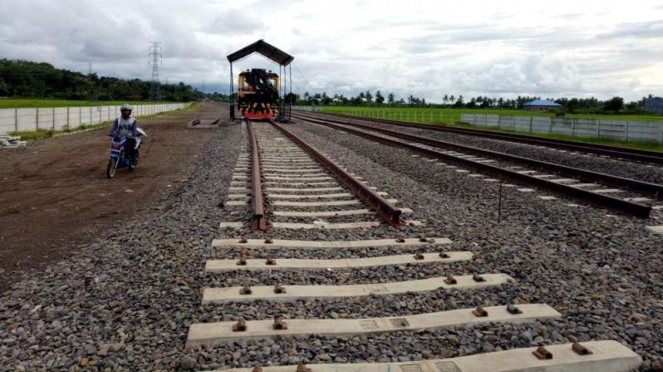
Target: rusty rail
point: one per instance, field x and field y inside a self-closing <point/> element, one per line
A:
<point x="591" y="148"/>
<point x="257" y="200"/>
<point x="604" y="201"/>
<point x="381" y="206"/>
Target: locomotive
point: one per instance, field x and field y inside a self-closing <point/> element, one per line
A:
<point x="258" y="94"/>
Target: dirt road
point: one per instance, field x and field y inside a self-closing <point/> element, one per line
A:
<point x="54" y="195"/>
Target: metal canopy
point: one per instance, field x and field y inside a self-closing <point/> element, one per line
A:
<point x="264" y="48"/>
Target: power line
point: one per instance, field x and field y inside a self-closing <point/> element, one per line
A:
<point x="155" y="53"/>
<point x="302" y="75"/>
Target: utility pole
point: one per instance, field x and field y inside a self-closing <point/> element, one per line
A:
<point x="155" y="53"/>
<point x="89" y="76"/>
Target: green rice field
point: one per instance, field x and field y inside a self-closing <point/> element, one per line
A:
<point x="451" y="116"/>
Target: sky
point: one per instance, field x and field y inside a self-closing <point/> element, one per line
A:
<point x="425" y="48"/>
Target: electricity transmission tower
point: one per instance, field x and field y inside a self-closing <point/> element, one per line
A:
<point x="155" y="53"/>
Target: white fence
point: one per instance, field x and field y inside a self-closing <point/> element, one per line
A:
<point x="621" y="130"/>
<point x="60" y="118"/>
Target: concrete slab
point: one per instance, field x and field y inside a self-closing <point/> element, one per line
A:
<point x="325" y="226"/>
<point x="302" y="183"/>
<point x="486" y="161"/>
<point x="292" y="176"/>
<point x="330" y="292"/>
<point x="322" y="204"/>
<point x="462" y="171"/>
<point x="298" y="178"/>
<point x="217" y="333"/>
<point x="564" y="180"/>
<point x="545" y="176"/>
<point x="284" y="189"/>
<point x="277" y="170"/>
<point x="352" y="212"/>
<point x="235" y="203"/>
<point x="491" y="179"/>
<point x="585" y="185"/>
<point x="639" y="199"/>
<point x="545" y="197"/>
<point x="217" y="266"/>
<point x="526" y="190"/>
<point x="317" y="196"/>
<point x="609" y="191"/>
<point x="239" y="189"/>
<point x="656" y="229"/>
<point x="348" y="244"/>
<point x="607" y="356"/>
<point x="231" y="225"/>
<point x="657" y="207"/>
<point x="237" y="196"/>
<point x="526" y="172"/>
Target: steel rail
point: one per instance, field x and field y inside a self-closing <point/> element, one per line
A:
<point x="604" y="201"/>
<point x="650" y="189"/>
<point x="380" y="205"/>
<point x="257" y="200"/>
<point x="612" y="151"/>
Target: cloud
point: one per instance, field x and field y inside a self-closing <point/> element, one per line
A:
<point x="638" y="30"/>
<point x="234" y="22"/>
<point x="428" y="48"/>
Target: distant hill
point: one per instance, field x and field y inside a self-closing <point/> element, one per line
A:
<point x="25" y="79"/>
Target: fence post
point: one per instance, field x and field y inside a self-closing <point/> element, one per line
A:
<point x="53" y="118"/>
<point x="90" y="115"/>
<point x="660" y="133"/>
<point x="626" y="132"/>
<point x="598" y="129"/>
<point x="67" y="117"/>
<point x="531" y="123"/>
<point x="80" y="116"/>
<point x="16" y="120"/>
<point x="573" y="127"/>
<point x="37" y="117"/>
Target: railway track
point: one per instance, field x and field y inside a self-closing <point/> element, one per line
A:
<point x="287" y="185"/>
<point x="622" y="153"/>
<point x="637" y="197"/>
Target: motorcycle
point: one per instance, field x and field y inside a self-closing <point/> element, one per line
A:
<point x="119" y="157"/>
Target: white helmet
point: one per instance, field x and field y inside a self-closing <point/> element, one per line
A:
<point x="126" y="107"/>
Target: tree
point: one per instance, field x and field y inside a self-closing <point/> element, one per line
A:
<point x="615" y="104"/>
<point x="369" y="98"/>
<point x="379" y="99"/>
<point x="390" y="99"/>
<point x="459" y="103"/>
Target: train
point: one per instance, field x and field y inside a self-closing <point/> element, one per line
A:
<point x="258" y="94"/>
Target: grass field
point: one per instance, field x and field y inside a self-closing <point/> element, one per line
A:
<point x="34" y="103"/>
<point x="451" y="117"/>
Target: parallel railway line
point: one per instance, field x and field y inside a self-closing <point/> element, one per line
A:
<point x="575" y="183"/>
<point x="624" y="153"/>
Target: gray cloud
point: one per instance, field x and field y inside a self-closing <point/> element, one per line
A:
<point x="427" y="49"/>
<point x="639" y="30"/>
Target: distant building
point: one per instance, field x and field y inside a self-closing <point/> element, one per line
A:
<point x="541" y="105"/>
<point x="654" y="105"/>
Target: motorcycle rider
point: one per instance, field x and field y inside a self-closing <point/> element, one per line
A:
<point x="126" y="125"/>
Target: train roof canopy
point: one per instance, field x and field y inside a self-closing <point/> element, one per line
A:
<point x="264" y="48"/>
